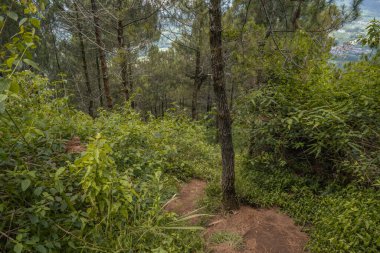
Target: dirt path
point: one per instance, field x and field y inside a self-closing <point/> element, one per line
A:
<point x="246" y="230"/>
<point x="187" y="198"/>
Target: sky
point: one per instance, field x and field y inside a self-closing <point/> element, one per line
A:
<point x="346" y="50"/>
<point x="369" y="9"/>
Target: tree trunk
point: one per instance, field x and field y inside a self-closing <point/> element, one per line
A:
<point x="55" y="47"/>
<point x="130" y="77"/>
<point x="209" y="99"/>
<point x="123" y="60"/>
<point x="198" y="77"/>
<point x="197" y="84"/>
<point x="102" y="54"/>
<point x="84" y="65"/>
<point x="296" y="16"/>
<point x="232" y="97"/>
<point x="99" y="82"/>
<point x="162" y="108"/>
<point x="230" y="201"/>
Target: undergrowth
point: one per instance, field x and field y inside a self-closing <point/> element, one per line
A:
<point x="109" y="198"/>
<point x="314" y="152"/>
<point x="338" y="219"/>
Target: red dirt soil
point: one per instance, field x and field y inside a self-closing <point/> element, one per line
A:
<point x="186" y="201"/>
<point x="262" y="230"/>
<point x="74" y="146"/>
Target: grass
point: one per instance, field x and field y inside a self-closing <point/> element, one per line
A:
<point x="232" y="239"/>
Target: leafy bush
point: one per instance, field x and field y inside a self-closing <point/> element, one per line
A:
<point x="110" y="198"/>
<point x="314" y="152"/>
<point x="328" y="124"/>
<point x="337" y="218"/>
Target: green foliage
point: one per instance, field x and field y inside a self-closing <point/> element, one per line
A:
<point x="314" y="152"/>
<point x="348" y="221"/>
<point x="174" y="144"/>
<point x="373" y="35"/>
<point x="232" y="239"/>
<point x="328" y="122"/>
<point x="18" y="24"/>
<point x="16" y="47"/>
<point x="338" y="219"/>
<point x="110" y="198"/>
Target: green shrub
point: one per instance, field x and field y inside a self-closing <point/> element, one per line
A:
<point x="347" y="221"/>
<point x="110" y="198"/>
<point x="327" y="126"/>
<point x="314" y="152"/>
<point x="338" y="219"/>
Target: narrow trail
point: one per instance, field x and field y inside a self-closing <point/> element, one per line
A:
<point x="246" y="230"/>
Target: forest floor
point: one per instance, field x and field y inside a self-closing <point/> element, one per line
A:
<point x="245" y="230"/>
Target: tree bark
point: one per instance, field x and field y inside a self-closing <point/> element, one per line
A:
<point x="99" y="82"/>
<point x="296" y="16"/>
<point x="84" y="64"/>
<point x="232" y="97"/>
<point x="198" y="76"/>
<point x="197" y="84"/>
<point x="102" y="54"/>
<point x="130" y="75"/>
<point x="209" y="99"/>
<point x="230" y="201"/>
<point x="55" y="47"/>
<point x="123" y="60"/>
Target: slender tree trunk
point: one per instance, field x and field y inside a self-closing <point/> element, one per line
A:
<point x="102" y="54"/>
<point x="130" y="73"/>
<point x="99" y="82"/>
<point x="209" y="99"/>
<point x="84" y="64"/>
<point x="55" y="47"/>
<point x="232" y="97"/>
<point x="123" y="60"/>
<point x="197" y="84"/>
<point x="162" y="108"/>
<point x="198" y="77"/>
<point x="230" y="201"/>
<point x="296" y="16"/>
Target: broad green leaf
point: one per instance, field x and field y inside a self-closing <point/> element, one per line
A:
<point x="12" y="15"/>
<point x="59" y="186"/>
<point x="29" y="44"/>
<point x="38" y="191"/>
<point x="18" y="248"/>
<point x="4" y="84"/>
<point x="41" y="248"/>
<point x="14" y="87"/>
<point x="3" y="98"/>
<point x="31" y="63"/>
<point x="10" y="61"/>
<point x="19" y="237"/>
<point x="2" y="102"/>
<point x="59" y="171"/>
<point x="39" y="132"/>
<point x="25" y="184"/>
<point x="35" y="22"/>
<point x="22" y="21"/>
<point x="72" y="245"/>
